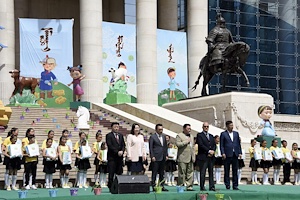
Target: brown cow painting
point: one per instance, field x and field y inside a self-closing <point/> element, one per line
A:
<point x="21" y="82"/>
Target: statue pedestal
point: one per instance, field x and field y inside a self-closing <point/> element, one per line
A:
<point x="269" y="140"/>
<point x="239" y="107"/>
<point x="74" y="105"/>
<point x="117" y="98"/>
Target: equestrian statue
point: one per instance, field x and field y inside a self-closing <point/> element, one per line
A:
<point x="224" y="56"/>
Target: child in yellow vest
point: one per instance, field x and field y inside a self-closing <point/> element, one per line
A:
<point x="30" y="165"/>
<point x="96" y="148"/>
<point x="64" y="168"/>
<point x="296" y="163"/>
<point x="265" y="164"/>
<point x="13" y="164"/>
<point x="254" y="164"/>
<point x="276" y="163"/>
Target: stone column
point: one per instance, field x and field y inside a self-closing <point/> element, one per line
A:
<point x="91" y="49"/>
<point x="7" y="55"/>
<point x="146" y="24"/>
<point x="197" y="25"/>
<point x="286" y="67"/>
<point x="167" y="15"/>
<point x="21" y="11"/>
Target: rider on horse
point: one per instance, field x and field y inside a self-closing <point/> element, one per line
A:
<point x="218" y="39"/>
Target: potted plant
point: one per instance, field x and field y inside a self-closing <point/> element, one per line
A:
<point x="203" y="196"/>
<point x="158" y="187"/>
<point x="97" y="189"/>
<point x="22" y="193"/>
<point x="219" y="196"/>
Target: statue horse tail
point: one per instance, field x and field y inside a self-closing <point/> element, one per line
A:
<point x="202" y="66"/>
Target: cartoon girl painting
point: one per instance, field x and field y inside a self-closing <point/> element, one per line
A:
<point x="172" y="74"/>
<point x="47" y="77"/>
<point x="75" y="73"/>
<point x="265" y="113"/>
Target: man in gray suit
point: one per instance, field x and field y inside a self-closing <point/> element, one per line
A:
<point x="185" y="157"/>
<point x="158" y="153"/>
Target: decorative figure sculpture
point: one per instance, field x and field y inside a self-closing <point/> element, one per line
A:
<point x="21" y="82"/>
<point x="265" y="113"/>
<point x="120" y="73"/>
<point x="224" y="55"/>
<point x="47" y="76"/>
<point x="83" y="115"/>
<point x="75" y="73"/>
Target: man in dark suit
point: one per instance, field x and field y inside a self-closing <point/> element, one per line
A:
<point x="116" y="146"/>
<point x="231" y="150"/>
<point x="206" y="155"/>
<point x="158" y="153"/>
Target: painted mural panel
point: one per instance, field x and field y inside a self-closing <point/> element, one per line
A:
<point x="119" y="63"/>
<point x="171" y="66"/>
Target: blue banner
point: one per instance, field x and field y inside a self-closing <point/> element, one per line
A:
<point x="41" y="38"/>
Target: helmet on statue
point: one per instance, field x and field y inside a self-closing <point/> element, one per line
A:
<point x="220" y="20"/>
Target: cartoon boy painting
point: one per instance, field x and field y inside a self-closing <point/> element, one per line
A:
<point x="47" y="76"/>
<point x="172" y="74"/>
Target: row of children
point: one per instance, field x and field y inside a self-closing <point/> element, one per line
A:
<point x="265" y="158"/>
<point x="56" y="155"/>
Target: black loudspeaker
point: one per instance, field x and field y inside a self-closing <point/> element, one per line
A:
<point x="124" y="184"/>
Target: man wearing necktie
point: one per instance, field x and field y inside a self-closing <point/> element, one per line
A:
<point x="231" y="150"/>
<point x="116" y="146"/>
<point x="205" y="157"/>
<point x="158" y="153"/>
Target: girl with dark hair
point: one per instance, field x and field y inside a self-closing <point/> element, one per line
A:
<point x="25" y="142"/>
<point x="82" y="136"/>
<point x="83" y="165"/>
<point x="276" y="163"/>
<point x="6" y="142"/>
<point x="96" y="149"/>
<point x="218" y="161"/>
<point x="102" y="153"/>
<point x="64" y="168"/>
<point x="136" y="152"/>
<point x="12" y="165"/>
<point x="253" y="163"/>
<point x="296" y="163"/>
<point x="49" y="161"/>
<point x="171" y="164"/>
<point x="30" y="165"/>
<point x="286" y="162"/>
<point x="265" y="164"/>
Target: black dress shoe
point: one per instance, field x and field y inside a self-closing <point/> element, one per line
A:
<point x="212" y="189"/>
<point x="236" y="188"/>
<point x="164" y="189"/>
<point x="202" y="189"/>
<point x="190" y="189"/>
<point x="227" y="187"/>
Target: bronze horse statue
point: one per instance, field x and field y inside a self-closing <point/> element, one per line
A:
<point x="235" y="56"/>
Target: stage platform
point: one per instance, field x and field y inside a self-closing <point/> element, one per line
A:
<point x="246" y="192"/>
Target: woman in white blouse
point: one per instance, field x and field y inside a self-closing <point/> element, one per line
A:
<point x="136" y="153"/>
